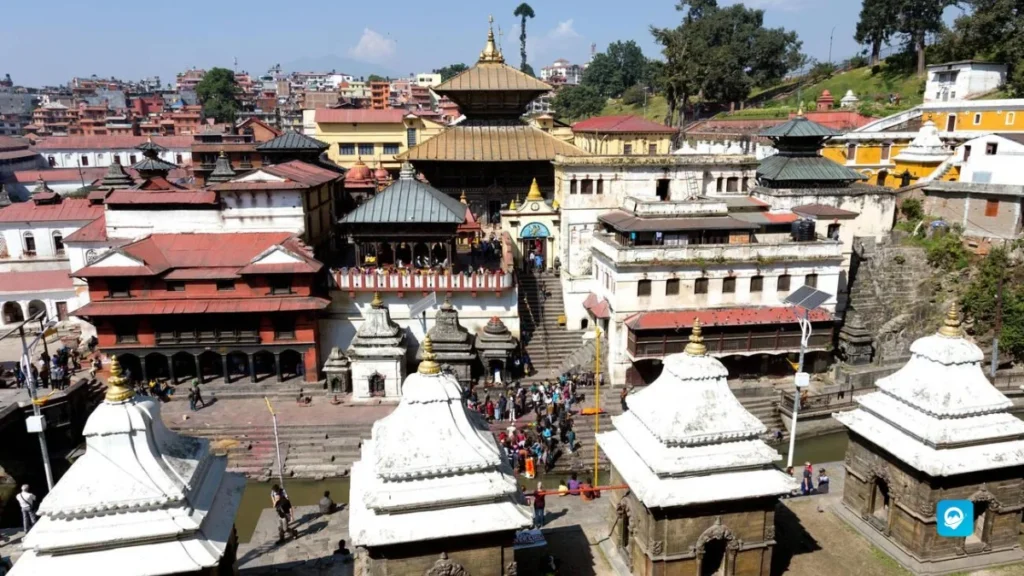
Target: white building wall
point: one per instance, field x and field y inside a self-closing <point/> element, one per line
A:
<point x="263" y="212"/>
<point x="71" y="158"/>
<point x="46" y="257"/>
<point x="1006" y="166"/>
<point x="971" y="78"/>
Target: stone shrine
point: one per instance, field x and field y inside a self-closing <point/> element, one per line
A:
<point x="432" y="492"/>
<point x="377" y="354"/>
<point x="856" y="345"/>
<point x="702" y="486"/>
<point x="936" y="430"/>
<point x="141" y="500"/>
<point x="494" y="345"/>
<point x="453" y="345"/>
<point x="338" y="372"/>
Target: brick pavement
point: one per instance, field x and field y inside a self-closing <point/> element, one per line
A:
<point x="234" y="412"/>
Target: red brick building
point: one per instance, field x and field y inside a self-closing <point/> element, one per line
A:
<point x="232" y="306"/>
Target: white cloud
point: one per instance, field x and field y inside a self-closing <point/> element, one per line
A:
<point x="373" y="47"/>
<point x="562" y="41"/>
<point x="564" y="30"/>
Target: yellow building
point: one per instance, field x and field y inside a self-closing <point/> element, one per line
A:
<point x="553" y="126"/>
<point x="371" y="135"/>
<point x="976" y="115"/>
<point x="622" y="135"/>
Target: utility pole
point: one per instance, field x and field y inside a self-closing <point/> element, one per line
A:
<point x="999" y="327"/>
<point x="801" y="381"/>
<point x="597" y="397"/>
<point x="830" y="35"/>
<point x="37" y="417"/>
<point x="277" y="443"/>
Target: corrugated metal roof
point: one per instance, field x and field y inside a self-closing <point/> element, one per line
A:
<point x="492" y="76"/>
<point x="211" y="306"/>
<point x="492" y="144"/>
<point x="110" y="142"/>
<point x="153" y="165"/>
<point x="766" y="218"/>
<point x="814" y="168"/>
<point x="626" y="222"/>
<point x="38" y="281"/>
<point x="823" y="211"/>
<point x="303" y="172"/>
<point x="737" y="316"/>
<point x="359" y="116"/>
<point x="67" y="209"/>
<point x="799" y="127"/>
<point x="409" y="201"/>
<point x="623" y="123"/>
<point x="95" y="231"/>
<point x="292" y="140"/>
<point x="191" y="197"/>
<point x="224" y="146"/>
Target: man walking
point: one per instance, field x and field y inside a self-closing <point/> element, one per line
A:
<point x="27" y="501"/>
<point x="538" y="506"/>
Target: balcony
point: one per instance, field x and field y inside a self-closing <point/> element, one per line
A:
<point x="368" y="280"/>
<point x="606" y="245"/>
<point x="211" y="336"/>
<point x="655" y="208"/>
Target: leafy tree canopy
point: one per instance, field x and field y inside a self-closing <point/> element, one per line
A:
<point x="523" y="11"/>
<point x="527" y="69"/>
<point x="375" y="78"/>
<point x="622" y="65"/>
<point x="991" y="31"/>
<point x="218" y="93"/>
<point x="578" y="102"/>
<point x="451" y="71"/>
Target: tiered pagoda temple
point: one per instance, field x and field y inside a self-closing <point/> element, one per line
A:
<point x="453" y="344"/>
<point x="936" y="430"/>
<point x="141" y="500"/>
<point x="377" y="355"/>
<point x="432" y="493"/>
<point x="494" y="346"/>
<point x="702" y="485"/>
<point x="492" y="154"/>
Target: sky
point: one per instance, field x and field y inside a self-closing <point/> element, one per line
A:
<point x="396" y="37"/>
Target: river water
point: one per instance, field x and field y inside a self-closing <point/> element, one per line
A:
<point x="818" y="449"/>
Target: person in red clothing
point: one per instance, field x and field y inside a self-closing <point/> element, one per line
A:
<point x="489" y="409"/>
<point x="538" y="506"/>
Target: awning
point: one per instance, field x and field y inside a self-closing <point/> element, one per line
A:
<point x="597" y="306"/>
<point x="736" y="316"/>
<point x="208" y="306"/>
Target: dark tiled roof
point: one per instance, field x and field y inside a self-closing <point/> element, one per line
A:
<point x="154" y="165"/>
<point x="784" y="168"/>
<point x="292" y="140"/>
<point x="799" y="127"/>
<point x="409" y="201"/>
<point x="492" y="144"/>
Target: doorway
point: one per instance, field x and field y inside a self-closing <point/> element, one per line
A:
<point x="530" y="248"/>
<point x="376" y="384"/>
<point x="880" y="502"/>
<point x="713" y="561"/>
<point x="950" y="122"/>
<point x="977" y="538"/>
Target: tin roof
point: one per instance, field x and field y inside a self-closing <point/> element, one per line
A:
<point x="162" y="197"/>
<point x="622" y="123"/>
<point x="408" y="201"/>
<point x="292" y="140"/>
<point x="491" y="143"/>
<point x="35" y="281"/>
<point x="625" y="222"/>
<point x="799" y="127"/>
<point x="67" y="209"/>
<point x="803" y="168"/>
<point x="492" y="76"/>
<point x="95" y="231"/>
<point x="736" y="316"/>
<point x="209" y="306"/>
<point x="823" y="211"/>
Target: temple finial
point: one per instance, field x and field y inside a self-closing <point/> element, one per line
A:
<point x="951" y="325"/>
<point x="117" y="389"/>
<point x="800" y="111"/>
<point x="462" y="198"/>
<point x="491" y="52"/>
<point x="429" y="365"/>
<point x="377" y="302"/>
<point x="534" y="193"/>
<point x="696" y="345"/>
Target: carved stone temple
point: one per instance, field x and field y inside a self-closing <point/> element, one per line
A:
<point x="495" y="345"/>
<point x="141" y="500"/>
<point x="453" y="344"/>
<point x="431" y="493"/>
<point x="377" y="355"/>
<point x="702" y="485"/>
<point x="936" y="430"/>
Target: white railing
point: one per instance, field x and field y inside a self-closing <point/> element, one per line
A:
<point x="355" y="280"/>
<point x="711" y="253"/>
<point x="889" y="121"/>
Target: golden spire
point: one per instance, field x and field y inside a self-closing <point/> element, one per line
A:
<point x="951" y="325"/>
<point x="463" y="198"/>
<point x="800" y="110"/>
<point x="696" y="346"/>
<point x="429" y="365"/>
<point x="117" y="389"/>
<point x="377" y="302"/>
<point x="491" y="52"/>
<point x="513" y="204"/>
<point x="534" y="193"/>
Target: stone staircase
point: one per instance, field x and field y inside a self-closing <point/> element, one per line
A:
<point x="315" y="452"/>
<point x="548" y="343"/>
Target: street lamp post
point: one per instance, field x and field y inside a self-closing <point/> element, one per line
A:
<point x="806" y="298"/>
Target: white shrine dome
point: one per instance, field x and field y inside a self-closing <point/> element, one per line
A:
<point x="432" y="469"/>
<point x="927" y="146"/>
<point x="939" y="413"/>
<point x="687" y="440"/>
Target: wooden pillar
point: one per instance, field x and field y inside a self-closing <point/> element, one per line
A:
<point x="359" y="260"/>
<point x="227" y="375"/>
<point x="199" y="370"/>
<point x="252" y="368"/>
<point x="170" y="370"/>
<point x="145" y="374"/>
<point x="448" y="253"/>
<point x="277" y="362"/>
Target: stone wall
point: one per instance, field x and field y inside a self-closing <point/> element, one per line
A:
<point x="479" y="555"/>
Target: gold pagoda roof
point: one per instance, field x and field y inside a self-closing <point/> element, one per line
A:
<point x="492" y="76"/>
<point x="494" y="143"/>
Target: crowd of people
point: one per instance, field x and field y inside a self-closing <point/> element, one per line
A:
<point x="51" y="371"/>
<point x="807" y="484"/>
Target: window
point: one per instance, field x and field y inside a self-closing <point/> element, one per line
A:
<point x="410" y="137"/>
<point x="886" y="150"/>
<point x="756" y="284"/>
<point x="284" y="328"/>
<point x="671" y="287"/>
<point x="600" y="186"/>
<point x="729" y="285"/>
<point x="175" y="286"/>
<point x="58" y="243"/>
<point x="280" y="284"/>
<point x="851" y="153"/>
<point x="118" y="288"/>
<point x="572" y="186"/>
<point x="225" y="285"/>
<point x="366" y="149"/>
<point x="883" y="175"/>
<point x="85" y="160"/>
<point x="833" y="231"/>
<point x="977" y="118"/>
<point x="30" y="244"/>
<point x="991" y="207"/>
<point x="126" y="333"/>
<point x="51" y="161"/>
<point x="643" y="288"/>
<point x="811" y="280"/>
<point x="662" y="189"/>
<point x="627" y="149"/>
<point x="391" y="148"/>
<point x="732" y="184"/>
<point x="718" y="184"/>
<point x="587" y="186"/>
<point x="347" y="149"/>
<point x="991" y="148"/>
<point x="1011" y="117"/>
<point x="700" y="286"/>
<point x="784" y="283"/>
<point x="245" y="159"/>
<point x="132" y="159"/>
<point x="967" y="152"/>
<point x="652" y="149"/>
<point x="179" y="159"/>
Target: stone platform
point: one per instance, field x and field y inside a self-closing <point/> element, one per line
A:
<point x="312" y="553"/>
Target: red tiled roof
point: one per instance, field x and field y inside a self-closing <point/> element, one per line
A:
<point x="8" y="143"/>
<point x="303" y="172"/>
<point x="226" y="273"/>
<point x="162" y="197"/>
<point x="823" y="211"/>
<point x="89" y="175"/>
<point x="597" y="306"/>
<point x="780" y="217"/>
<point x="17" y="154"/>
<point x="109" y="142"/>
<point x="359" y="116"/>
<point x="95" y="231"/>
<point x="42" y="281"/>
<point x="66" y="210"/>
<point x="737" y="316"/>
<point x="210" y="306"/>
<point x="623" y="123"/>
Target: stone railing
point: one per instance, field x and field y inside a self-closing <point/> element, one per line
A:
<point x="382" y="280"/>
<point x="667" y="208"/>
<point x="712" y="253"/>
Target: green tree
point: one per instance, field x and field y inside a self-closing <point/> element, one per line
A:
<point x="450" y="71"/>
<point x="528" y="70"/>
<point x="992" y="30"/>
<point x="876" y="26"/>
<point x="915" y="19"/>
<point x="218" y="93"/>
<point x="616" y="69"/>
<point x="633" y="96"/>
<point x="578" y="102"/>
<point x="604" y="76"/>
<point x="375" y="78"/>
<point x="524" y="11"/>
<point x="630" y="60"/>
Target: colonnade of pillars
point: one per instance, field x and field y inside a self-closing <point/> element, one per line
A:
<point x="407" y="252"/>
<point x="148" y="370"/>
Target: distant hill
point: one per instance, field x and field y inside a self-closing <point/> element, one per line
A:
<point x="656" y="109"/>
<point x="340" y="65"/>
